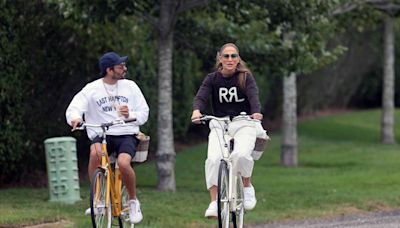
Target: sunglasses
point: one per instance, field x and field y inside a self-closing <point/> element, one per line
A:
<point x="120" y="66"/>
<point x="233" y="56"/>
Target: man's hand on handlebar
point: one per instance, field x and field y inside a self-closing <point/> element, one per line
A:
<point x="75" y="123"/>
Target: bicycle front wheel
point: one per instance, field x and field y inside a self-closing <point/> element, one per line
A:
<point x="224" y="215"/>
<point x="238" y="215"/>
<point x="100" y="209"/>
<point x="124" y="219"/>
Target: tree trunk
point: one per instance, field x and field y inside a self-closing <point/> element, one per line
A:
<point x="289" y="122"/>
<point x="165" y="154"/>
<point x="387" y="119"/>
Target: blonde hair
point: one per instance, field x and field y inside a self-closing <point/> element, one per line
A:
<point x="241" y="66"/>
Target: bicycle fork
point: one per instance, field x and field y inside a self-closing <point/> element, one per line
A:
<point x="232" y="182"/>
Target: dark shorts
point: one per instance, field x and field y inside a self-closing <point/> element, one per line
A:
<point x="119" y="144"/>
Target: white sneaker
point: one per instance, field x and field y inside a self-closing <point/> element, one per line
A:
<point x="135" y="214"/>
<point x="250" y="200"/>
<point x="96" y="211"/>
<point x="212" y="210"/>
<point x="87" y="212"/>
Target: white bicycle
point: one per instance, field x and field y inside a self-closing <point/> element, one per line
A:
<point x="230" y="199"/>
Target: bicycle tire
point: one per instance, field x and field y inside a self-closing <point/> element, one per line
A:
<point x="224" y="216"/>
<point x="238" y="215"/>
<point x="100" y="212"/>
<point x="124" y="220"/>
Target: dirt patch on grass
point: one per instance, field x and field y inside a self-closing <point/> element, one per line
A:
<point x="348" y="210"/>
<point x="378" y="206"/>
<point x="59" y="224"/>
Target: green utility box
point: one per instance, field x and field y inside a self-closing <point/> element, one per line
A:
<point x="62" y="169"/>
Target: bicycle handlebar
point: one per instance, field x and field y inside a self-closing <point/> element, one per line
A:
<point x="244" y="116"/>
<point x="83" y="125"/>
<point x="209" y="117"/>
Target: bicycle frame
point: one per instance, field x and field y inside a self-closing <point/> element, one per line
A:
<point x="114" y="181"/>
<point x="226" y="152"/>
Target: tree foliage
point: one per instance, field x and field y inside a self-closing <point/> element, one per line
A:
<point x="46" y="58"/>
<point x="12" y="89"/>
<point x="49" y="50"/>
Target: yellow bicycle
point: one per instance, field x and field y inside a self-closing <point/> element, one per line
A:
<point x="108" y="195"/>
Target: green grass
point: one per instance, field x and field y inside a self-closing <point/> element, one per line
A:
<point x="343" y="169"/>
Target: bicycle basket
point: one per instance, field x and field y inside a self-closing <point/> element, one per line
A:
<point x="259" y="147"/>
<point x="142" y="148"/>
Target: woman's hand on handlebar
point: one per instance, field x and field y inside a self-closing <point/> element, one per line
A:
<point x="257" y="116"/>
<point x="196" y="115"/>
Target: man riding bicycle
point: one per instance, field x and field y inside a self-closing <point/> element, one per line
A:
<point x="105" y="100"/>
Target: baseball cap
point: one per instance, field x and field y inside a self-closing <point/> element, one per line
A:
<point x="110" y="59"/>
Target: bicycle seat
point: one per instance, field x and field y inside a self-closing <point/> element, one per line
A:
<point x="112" y="158"/>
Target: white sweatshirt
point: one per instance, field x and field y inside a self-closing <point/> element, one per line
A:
<point x="98" y="101"/>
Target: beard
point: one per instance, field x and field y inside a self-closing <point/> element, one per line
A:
<point x="117" y="76"/>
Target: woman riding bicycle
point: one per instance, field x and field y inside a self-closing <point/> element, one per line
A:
<point x="233" y="90"/>
<point x="104" y="100"/>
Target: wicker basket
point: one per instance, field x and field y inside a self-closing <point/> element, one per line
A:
<point x="259" y="147"/>
<point x="142" y="148"/>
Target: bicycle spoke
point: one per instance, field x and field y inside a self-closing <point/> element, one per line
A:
<point x="124" y="217"/>
<point x="223" y="201"/>
<point x="239" y="210"/>
<point x="100" y="210"/>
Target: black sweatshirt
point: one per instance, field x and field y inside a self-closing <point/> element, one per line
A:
<point x="227" y="97"/>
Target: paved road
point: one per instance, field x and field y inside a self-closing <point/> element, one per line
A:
<point x="370" y="220"/>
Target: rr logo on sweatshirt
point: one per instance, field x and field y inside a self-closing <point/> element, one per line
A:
<point x="229" y="95"/>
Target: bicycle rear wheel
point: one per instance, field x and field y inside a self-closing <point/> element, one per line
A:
<point x="124" y="220"/>
<point x="238" y="215"/>
<point x="100" y="212"/>
<point x="224" y="216"/>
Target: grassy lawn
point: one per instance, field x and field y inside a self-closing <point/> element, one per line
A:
<point x="343" y="169"/>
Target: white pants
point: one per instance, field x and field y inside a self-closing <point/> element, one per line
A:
<point x="244" y="134"/>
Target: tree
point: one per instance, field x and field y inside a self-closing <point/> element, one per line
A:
<point x="387" y="119"/>
<point x="289" y="144"/>
<point x="12" y="90"/>
<point x="305" y="28"/>
<point x="165" y="155"/>
<point x="39" y="53"/>
<point x="290" y="40"/>
<point x="391" y="9"/>
<point x="162" y="15"/>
